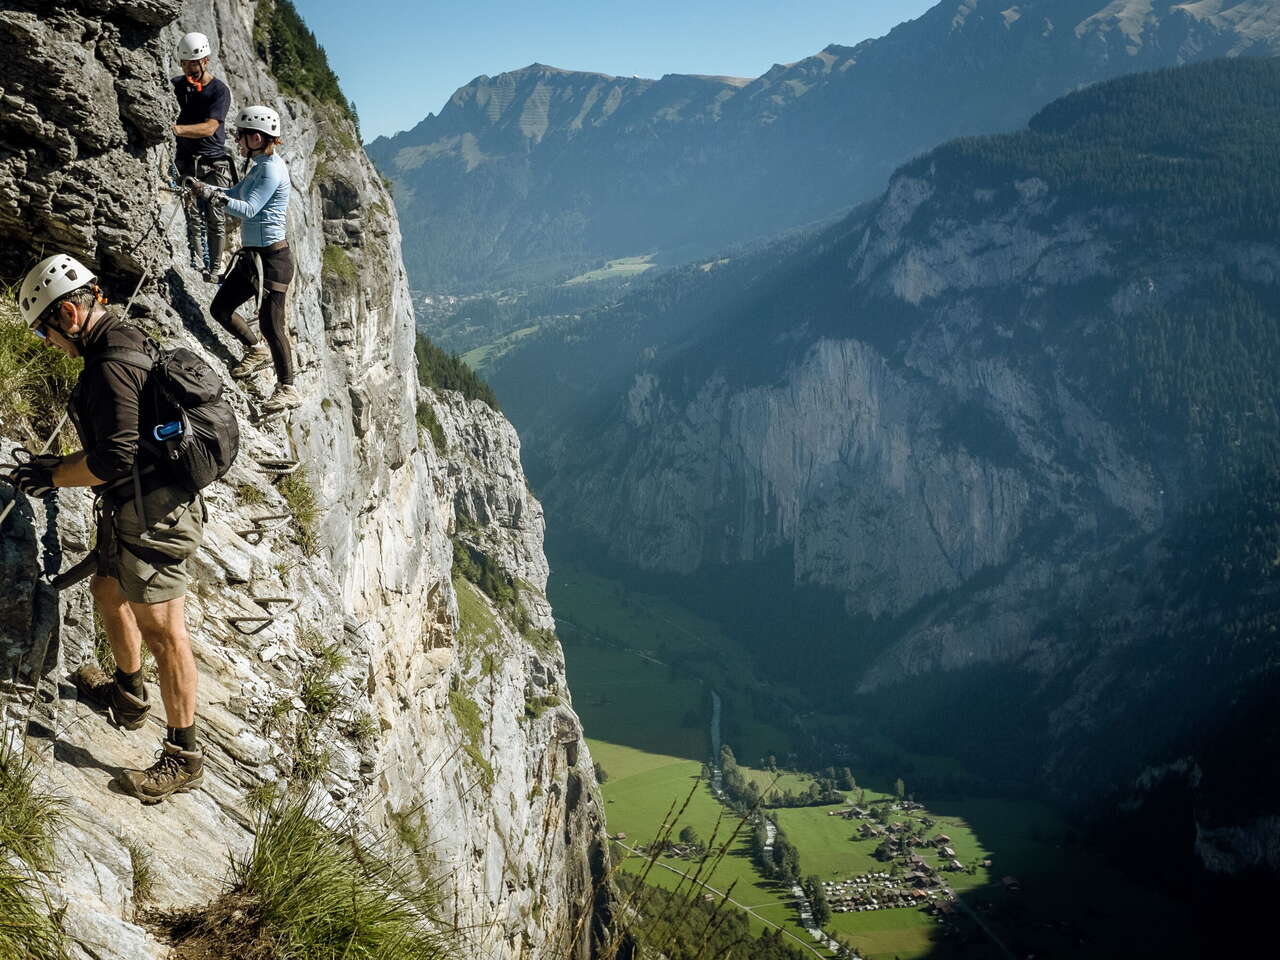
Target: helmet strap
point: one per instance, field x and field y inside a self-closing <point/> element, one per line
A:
<point x="100" y="301"/>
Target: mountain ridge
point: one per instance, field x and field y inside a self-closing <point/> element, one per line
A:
<point x="536" y="176"/>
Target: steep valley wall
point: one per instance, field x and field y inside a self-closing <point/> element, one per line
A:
<point x="430" y="742"/>
<point x="940" y="421"/>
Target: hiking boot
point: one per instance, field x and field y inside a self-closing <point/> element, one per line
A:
<point x="103" y="693"/>
<point x="255" y="358"/>
<point x="216" y="269"/>
<point x="175" y="771"/>
<point x="285" y="398"/>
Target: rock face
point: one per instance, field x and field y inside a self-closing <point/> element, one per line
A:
<point x="540" y="170"/>
<point x="427" y="732"/>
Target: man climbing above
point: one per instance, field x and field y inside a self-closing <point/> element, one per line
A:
<point x="263" y="267"/>
<point x="147" y="524"/>
<point x="203" y="101"/>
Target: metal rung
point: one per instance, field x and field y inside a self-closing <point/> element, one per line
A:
<point x="278" y="466"/>
<point x="265" y="619"/>
<point x="262" y="526"/>
<point x="262" y="623"/>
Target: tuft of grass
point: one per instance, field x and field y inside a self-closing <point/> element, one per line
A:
<point x="542" y="640"/>
<point x="428" y="421"/>
<point x="144" y="876"/>
<point x="26" y="930"/>
<point x="477" y="626"/>
<point x="467" y="713"/>
<point x="261" y="796"/>
<point x="310" y="887"/>
<point x="534" y="707"/>
<point x="28" y="820"/>
<point x="311" y="759"/>
<point x="319" y="694"/>
<point x="337" y="269"/>
<point x="250" y="495"/>
<point x="297" y="492"/>
<point x="37" y="379"/>
<point x="363" y="728"/>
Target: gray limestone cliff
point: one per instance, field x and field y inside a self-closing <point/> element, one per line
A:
<point x="447" y="722"/>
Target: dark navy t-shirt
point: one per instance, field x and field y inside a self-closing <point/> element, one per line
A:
<point x="197" y="106"/>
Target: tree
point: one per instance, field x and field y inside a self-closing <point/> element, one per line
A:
<point x="899" y="788"/>
<point x="602" y="775"/>
<point x="817" y="901"/>
<point x="689" y="837"/>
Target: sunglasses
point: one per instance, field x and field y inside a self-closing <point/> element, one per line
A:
<point x="37" y="327"/>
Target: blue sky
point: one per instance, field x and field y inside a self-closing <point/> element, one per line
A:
<point x="400" y="60"/>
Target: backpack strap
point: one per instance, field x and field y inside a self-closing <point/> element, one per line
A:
<point x="143" y="361"/>
<point x="135" y="358"/>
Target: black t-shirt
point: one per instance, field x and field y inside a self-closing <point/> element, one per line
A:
<point x="197" y="106"/>
<point x="106" y="404"/>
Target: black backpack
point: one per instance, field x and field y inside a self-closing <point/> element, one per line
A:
<point x="187" y="426"/>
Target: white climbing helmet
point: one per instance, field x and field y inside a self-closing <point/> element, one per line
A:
<point x="193" y="46"/>
<point x="262" y="119"/>
<point x="50" y="279"/>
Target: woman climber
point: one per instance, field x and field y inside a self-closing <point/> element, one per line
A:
<point x="263" y="267"/>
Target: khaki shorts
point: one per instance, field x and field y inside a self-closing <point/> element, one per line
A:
<point x="155" y="569"/>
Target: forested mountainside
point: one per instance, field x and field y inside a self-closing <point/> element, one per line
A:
<point x="357" y="660"/>
<point x="542" y="172"/>
<point x="1001" y="445"/>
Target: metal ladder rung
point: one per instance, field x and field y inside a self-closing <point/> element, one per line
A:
<point x="278" y="465"/>
<point x="265" y="619"/>
<point x="262" y="526"/>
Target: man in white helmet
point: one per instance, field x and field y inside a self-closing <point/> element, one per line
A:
<point x="263" y="267"/>
<point x="203" y="101"/>
<point x="147" y="524"/>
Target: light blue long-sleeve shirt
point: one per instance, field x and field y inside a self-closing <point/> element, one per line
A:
<point x="261" y="200"/>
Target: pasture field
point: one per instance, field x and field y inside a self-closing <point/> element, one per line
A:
<point x="643" y="788"/>
<point x="885" y="934"/>
<point x="480" y="358"/>
<point x="619" y="269"/>
<point x="642" y="793"/>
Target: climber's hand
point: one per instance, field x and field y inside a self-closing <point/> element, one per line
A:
<point x="34" y="475"/>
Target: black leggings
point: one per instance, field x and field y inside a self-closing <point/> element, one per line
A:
<point x="242" y="284"/>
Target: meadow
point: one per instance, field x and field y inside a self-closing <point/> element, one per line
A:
<point x="642" y="670"/>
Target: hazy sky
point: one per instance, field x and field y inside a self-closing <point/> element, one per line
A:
<point x="402" y="59"/>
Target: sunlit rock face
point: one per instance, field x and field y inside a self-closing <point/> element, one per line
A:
<point x="430" y="742"/>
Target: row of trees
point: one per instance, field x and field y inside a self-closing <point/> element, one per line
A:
<point x="743" y="794"/>
<point x="779" y="861"/>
